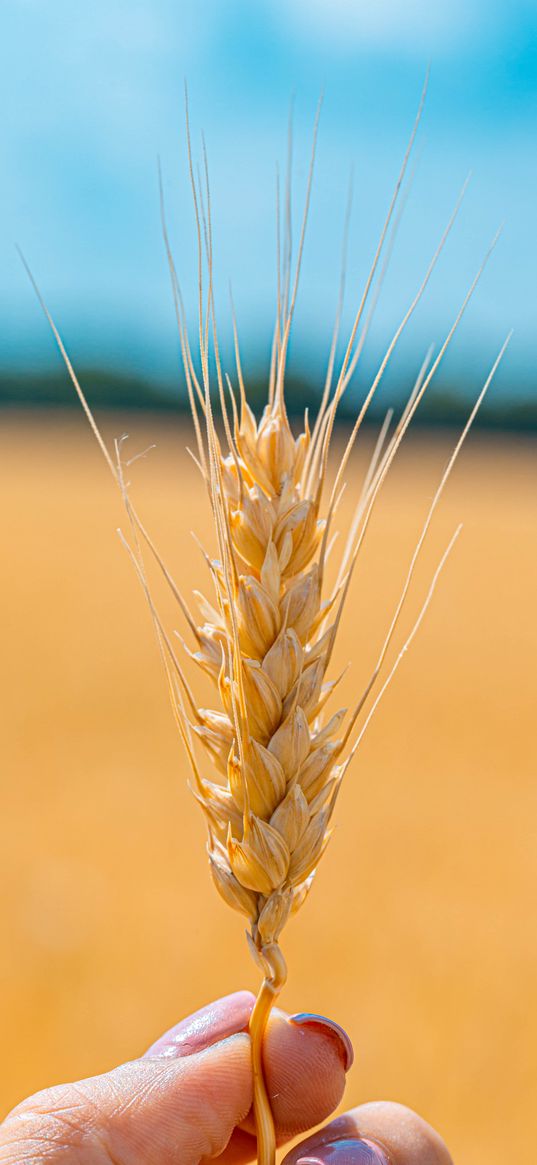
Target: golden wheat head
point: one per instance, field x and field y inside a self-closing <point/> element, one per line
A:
<point x="267" y="644"/>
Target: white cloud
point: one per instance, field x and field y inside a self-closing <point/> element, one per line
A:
<point x="409" y="26"/>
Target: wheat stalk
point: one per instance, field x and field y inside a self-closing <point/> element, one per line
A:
<point x="266" y="639"/>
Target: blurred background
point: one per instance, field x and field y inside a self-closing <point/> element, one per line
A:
<point x="420" y="934"/>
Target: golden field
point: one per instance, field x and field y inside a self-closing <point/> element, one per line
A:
<point x="420" y="933"/>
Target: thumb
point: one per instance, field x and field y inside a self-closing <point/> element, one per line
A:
<point x="170" y="1111"/>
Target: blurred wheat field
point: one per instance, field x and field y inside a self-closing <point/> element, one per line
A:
<point x="419" y="935"/>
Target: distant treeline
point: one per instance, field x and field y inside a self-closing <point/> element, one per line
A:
<point x="443" y="405"/>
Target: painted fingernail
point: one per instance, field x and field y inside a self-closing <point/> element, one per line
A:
<point x="348" y="1152"/>
<point x="217" y="1021"/>
<point x="309" y="1019"/>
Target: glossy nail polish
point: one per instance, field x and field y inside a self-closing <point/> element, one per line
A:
<point x="217" y="1021"/>
<point x="309" y="1019"/>
<point x="346" y="1152"/>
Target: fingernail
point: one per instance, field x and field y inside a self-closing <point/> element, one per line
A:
<point x="308" y="1018"/>
<point x="217" y="1021"/>
<point x="348" y="1152"/>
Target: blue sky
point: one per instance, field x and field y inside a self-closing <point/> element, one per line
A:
<point x="92" y="94"/>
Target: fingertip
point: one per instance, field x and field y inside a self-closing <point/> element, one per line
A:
<point x="378" y="1133"/>
<point x="332" y="1030"/>
<point x="409" y="1137"/>
<point x="305" y="1073"/>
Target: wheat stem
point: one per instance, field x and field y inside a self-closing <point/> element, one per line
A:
<point x="268" y="992"/>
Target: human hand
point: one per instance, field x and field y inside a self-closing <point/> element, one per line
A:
<point x="188" y="1100"/>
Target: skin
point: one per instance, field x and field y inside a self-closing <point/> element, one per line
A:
<point x="188" y="1100"/>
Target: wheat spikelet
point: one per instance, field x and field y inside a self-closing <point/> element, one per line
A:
<point x="266" y="635"/>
